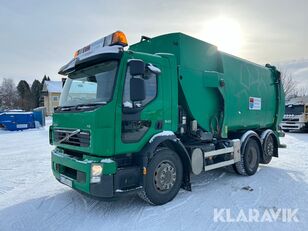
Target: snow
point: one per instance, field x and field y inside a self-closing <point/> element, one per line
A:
<point x="163" y="133"/>
<point x="31" y="198"/>
<point x="107" y="161"/>
<point x="128" y="104"/>
<point x="53" y="86"/>
<point x="17" y="112"/>
<point x="154" y="69"/>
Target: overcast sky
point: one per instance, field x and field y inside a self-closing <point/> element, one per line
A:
<point x="38" y="37"/>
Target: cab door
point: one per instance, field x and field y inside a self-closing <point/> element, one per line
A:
<point x="138" y="119"/>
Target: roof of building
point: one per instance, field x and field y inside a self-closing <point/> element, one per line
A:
<point x="53" y="86"/>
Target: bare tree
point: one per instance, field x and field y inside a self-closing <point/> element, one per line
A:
<point x="8" y="94"/>
<point x="301" y="91"/>
<point x="289" y="85"/>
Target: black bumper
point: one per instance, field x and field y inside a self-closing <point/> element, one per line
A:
<point x="125" y="180"/>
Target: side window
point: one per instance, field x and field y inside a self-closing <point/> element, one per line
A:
<point x="133" y="128"/>
<point x="150" y="81"/>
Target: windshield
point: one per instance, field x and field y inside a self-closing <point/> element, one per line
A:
<point x="92" y="85"/>
<point x="294" y="109"/>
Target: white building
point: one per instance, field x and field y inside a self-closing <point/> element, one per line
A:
<point x="51" y="92"/>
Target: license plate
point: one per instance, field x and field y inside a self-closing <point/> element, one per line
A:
<point x="66" y="181"/>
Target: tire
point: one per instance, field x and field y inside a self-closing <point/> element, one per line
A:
<point x="163" y="179"/>
<point x="268" y="149"/>
<point x="250" y="158"/>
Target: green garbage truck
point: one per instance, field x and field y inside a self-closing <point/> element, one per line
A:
<point x="147" y="118"/>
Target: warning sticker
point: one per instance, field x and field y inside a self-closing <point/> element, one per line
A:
<point x="254" y="103"/>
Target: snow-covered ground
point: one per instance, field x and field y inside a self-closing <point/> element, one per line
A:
<point x="31" y="199"/>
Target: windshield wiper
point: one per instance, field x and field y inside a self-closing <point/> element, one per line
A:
<point x="87" y="105"/>
<point x="78" y="106"/>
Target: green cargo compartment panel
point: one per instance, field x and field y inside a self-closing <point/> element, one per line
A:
<point x="218" y="86"/>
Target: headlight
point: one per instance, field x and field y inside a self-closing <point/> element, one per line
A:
<point x="96" y="172"/>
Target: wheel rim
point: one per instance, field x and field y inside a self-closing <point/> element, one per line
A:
<point x="252" y="158"/>
<point x="164" y="176"/>
<point x="269" y="147"/>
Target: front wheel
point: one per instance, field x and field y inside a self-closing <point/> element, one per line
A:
<point x="164" y="177"/>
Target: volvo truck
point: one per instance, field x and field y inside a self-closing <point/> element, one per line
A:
<point x="147" y="118"/>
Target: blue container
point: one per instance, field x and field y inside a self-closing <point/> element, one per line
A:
<point x="39" y="116"/>
<point x="14" y="121"/>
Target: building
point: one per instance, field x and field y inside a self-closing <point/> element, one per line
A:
<point x="51" y="92"/>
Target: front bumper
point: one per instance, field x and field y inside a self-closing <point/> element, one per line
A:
<point x="76" y="174"/>
<point x="291" y="125"/>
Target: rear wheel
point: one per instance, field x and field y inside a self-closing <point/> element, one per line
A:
<point x="250" y="158"/>
<point x="163" y="179"/>
<point x="268" y="149"/>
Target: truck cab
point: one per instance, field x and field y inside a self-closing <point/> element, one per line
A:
<point x="111" y="105"/>
<point x="296" y="115"/>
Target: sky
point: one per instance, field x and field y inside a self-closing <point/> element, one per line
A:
<point x="38" y="36"/>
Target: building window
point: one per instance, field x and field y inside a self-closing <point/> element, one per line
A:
<point x="55" y="98"/>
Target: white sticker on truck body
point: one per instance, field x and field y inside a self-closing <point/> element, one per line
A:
<point x="254" y="103"/>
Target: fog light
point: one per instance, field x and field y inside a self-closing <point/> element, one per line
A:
<point x="96" y="172"/>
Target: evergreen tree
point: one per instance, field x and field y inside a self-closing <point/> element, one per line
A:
<point x="41" y="100"/>
<point x="25" y="95"/>
<point x="45" y="78"/>
<point x="36" y="92"/>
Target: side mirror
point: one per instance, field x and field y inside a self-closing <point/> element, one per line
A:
<point x="137" y="89"/>
<point x="136" y="67"/>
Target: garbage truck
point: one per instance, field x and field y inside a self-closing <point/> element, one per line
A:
<point x="148" y="118"/>
<point x="296" y="115"/>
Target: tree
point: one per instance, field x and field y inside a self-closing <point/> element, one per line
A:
<point x="41" y="100"/>
<point x="288" y="83"/>
<point x="25" y="95"/>
<point x="45" y="78"/>
<point x="43" y="81"/>
<point x="36" y="92"/>
<point x="301" y="91"/>
<point x="291" y="88"/>
<point x="8" y="94"/>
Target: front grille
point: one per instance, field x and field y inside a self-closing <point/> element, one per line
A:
<point x="81" y="139"/>
<point x="290" y="119"/>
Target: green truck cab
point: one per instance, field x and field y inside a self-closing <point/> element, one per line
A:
<point x="144" y="119"/>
